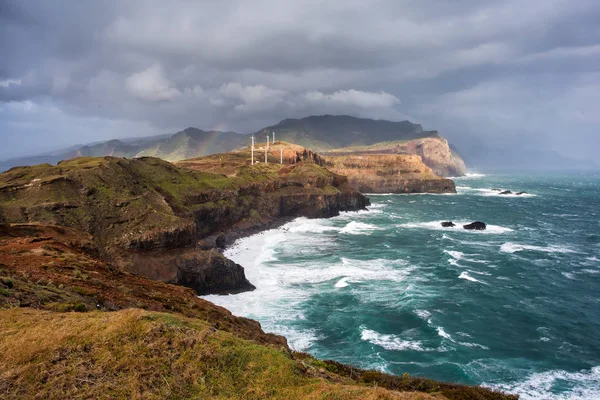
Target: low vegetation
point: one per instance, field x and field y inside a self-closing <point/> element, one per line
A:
<point x="148" y="355"/>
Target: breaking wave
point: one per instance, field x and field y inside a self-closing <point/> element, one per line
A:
<point x="358" y="228"/>
<point x="465" y="275"/>
<point x="390" y="342"/>
<point x="510" y="248"/>
<point x="437" y="225"/>
<point x="584" y="384"/>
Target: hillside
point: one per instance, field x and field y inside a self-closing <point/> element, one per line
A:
<point x="319" y="133"/>
<point x="76" y="327"/>
<point x="150" y="217"/>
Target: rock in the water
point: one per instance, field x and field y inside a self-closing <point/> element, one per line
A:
<point x="477" y="225"/>
<point x="506" y="192"/>
<point x="448" y="224"/>
<point x="520" y="193"/>
<point x="497" y="190"/>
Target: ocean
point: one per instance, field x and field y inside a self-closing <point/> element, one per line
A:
<point x="515" y="307"/>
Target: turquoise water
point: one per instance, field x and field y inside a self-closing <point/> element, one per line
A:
<point x="515" y="307"/>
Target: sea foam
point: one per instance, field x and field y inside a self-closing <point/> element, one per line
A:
<point x="584" y="384"/>
<point x="467" y="176"/>
<point x="458" y="256"/>
<point x="342" y="283"/>
<point x="358" y="228"/>
<point x="465" y="275"/>
<point x="510" y="248"/>
<point x="437" y="226"/>
<point x="487" y="192"/>
<point x="390" y="342"/>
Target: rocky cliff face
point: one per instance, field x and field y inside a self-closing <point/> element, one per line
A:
<point x="147" y="215"/>
<point x="388" y="173"/>
<point x="435" y="152"/>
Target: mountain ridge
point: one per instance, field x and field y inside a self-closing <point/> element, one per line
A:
<point x="316" y="132"/>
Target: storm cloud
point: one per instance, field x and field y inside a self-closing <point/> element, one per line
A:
<point x="484" y="73"/>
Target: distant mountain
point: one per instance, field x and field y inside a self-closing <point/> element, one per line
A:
<point x="327" y="132"/>
<point x="320" y="133"/>
<point x="191" y="142"/>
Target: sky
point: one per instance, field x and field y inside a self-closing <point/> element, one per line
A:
<point x="498" y="74"/>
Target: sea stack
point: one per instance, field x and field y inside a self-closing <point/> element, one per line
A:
<point x="477" y="226"/>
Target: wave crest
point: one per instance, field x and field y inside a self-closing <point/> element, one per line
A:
<point x="390" y="342"/>
<point x="511" y="248"/>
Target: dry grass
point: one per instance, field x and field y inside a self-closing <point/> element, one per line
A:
<point x="143" y="355"/>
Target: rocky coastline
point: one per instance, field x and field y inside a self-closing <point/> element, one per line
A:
<point x="152" y="218"/>
<point x="88" y="249"/>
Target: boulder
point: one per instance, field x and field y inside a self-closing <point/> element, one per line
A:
<point x="477" y="226"/>
<point x="506" y="192"/>
<point x="448" y="224"/>
<point x="520" y="193"/>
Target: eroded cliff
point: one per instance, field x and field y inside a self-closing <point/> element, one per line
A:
<point x="388" y="173"/>
<point x="434" y="151"/>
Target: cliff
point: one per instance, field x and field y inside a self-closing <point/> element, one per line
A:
<point x="434" y="151"/>
<point x="76" y="327"/>
<point x="150" y="217"/>
<point x="388" y="173"/>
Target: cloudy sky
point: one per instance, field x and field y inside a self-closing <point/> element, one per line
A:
<point x="497" y="73"/>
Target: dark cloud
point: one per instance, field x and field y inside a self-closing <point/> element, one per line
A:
<point x="495" y="72"/>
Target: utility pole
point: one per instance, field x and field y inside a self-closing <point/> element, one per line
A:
<point x="281" y="155"/>
<point x="267" y="149"/>
<point x="273" y="137"/>
<point x="252" y="150"/>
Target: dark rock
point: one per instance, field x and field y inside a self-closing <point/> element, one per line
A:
<point x="221" y="241"/>
<point x="520" y="193"/>
<point x="448" y="224"/>
<point x="497" y="190"/>
<point x="506" y="192"/>
<point x="217" y="275"/>
<point x="477" y="225"/>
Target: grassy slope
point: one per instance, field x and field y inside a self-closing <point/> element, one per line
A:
<point x="148" y="355"/>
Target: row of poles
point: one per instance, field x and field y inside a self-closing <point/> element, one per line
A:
<point x="267" y="150"/>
